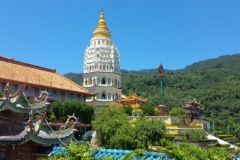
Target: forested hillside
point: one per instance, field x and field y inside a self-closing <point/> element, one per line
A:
<point x="215" y="83"/>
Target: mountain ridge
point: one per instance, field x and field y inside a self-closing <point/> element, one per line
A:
<point x="192" y="67"/>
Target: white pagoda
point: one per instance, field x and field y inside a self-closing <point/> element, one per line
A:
<point x="102" y="67"/>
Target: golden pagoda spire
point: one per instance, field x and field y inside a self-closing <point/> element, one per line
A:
<point x="102" y="30"/>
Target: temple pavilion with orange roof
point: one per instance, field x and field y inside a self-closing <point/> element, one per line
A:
<point x="133" y="100"/>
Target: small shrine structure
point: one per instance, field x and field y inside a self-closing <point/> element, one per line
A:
<point x="194" y="111"/>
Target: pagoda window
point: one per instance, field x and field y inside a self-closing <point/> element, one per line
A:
<point x="103" y="80"/>
<point x="100" y="67"/>
<point x="103" y="95"/>
<point x="109" y="81"/>
<point x="116" y="95"/>
<point x="104" y="67"/>
<point x="107" y="67"/>
<point x="90" y="81"/>
<point x="85" y="82"/>
<point x="109" y="95"/>
<point x="113" y="96"/>
<point x="115" y="83"/>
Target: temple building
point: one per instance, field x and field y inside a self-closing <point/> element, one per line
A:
<point x="21" y="133"/>
<point x="102" y="67"/>
<point x="38" y="78"/>
<point x="133" y="100"/>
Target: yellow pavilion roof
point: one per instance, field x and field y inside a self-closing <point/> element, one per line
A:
<point x="132" y="99"/>
<point x="102" y="30"/>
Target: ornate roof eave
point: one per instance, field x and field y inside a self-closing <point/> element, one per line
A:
<point x="18" y="137"/>
<point x="14" y="103"/>
<point x="191" y="107"/>
<point x="93" y="93"/>
<point x="193" y="102"/>
<point x="44" y="135"/>
<point x="15" y="138"/>
<point x="132" y="98"/>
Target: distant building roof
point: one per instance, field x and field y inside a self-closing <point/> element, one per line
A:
<point x="132" y="99"/>
<point x="19" y="72"/>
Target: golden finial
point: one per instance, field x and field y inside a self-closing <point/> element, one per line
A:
<point x="102" y="30"/>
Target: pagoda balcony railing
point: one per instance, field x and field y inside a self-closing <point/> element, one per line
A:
<point x="104" y="100"/>
<point x="102" y="85"/>
<point x="101" y="70"/>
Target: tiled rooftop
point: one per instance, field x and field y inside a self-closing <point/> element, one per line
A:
<point x="19" y="72"/>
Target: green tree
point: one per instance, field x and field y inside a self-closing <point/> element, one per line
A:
<point x="107" y="121"/>
<point x="60" y="111"/>
<point x="128" y="109"/>
<point x="148" y="109"/>
<point x="1" y="94"/>
<point x="116" y="130"/>
<point x="178" y="111"/>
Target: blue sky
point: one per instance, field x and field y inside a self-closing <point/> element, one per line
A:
<point x="55" y="33"/>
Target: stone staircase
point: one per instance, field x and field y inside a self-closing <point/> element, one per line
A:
<point x="224" y="141"/>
